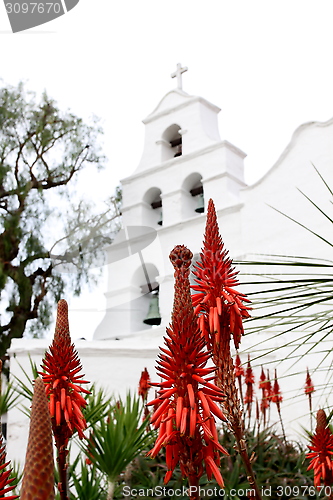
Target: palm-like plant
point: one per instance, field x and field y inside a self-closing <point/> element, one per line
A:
<point x="117" y="440"/>
<point x="292" y="299"/>
<point x="88" y="483"/>
<point x="8" y="398"/>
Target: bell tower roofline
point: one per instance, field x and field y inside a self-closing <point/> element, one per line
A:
<point x="179" y="125"/>
<point x="176" y="100"/>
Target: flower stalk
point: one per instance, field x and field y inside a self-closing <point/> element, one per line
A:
<point x="321" y="451"/>
<point x="38" y="478"/>
<point x="62" y="379"/>
<point x="308" y="390"/>
<point x="186" y="408"/>
<point x="277" y="398"/>
<point x="221" y="309"/>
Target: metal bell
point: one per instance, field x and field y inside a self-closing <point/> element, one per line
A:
<point x="153" y="317"/>
<point x="201" y="204"/>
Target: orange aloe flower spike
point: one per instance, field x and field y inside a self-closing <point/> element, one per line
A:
<point x="321" y="451"/>
<point x="308" y="388"/>
<point x="186" y="397"/>
<point x="144" y="384"/>
<point x="5" y="480"/>
<point x="214" y="290"/>
<point x="63" y="384"/>
<point x="38" y="477"/>
<point x="62" y="379"/>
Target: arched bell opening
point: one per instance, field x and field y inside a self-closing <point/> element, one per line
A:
<point x="193" y="195"/>
<point x="153" y="216"/>
<point x="145" y="309"/>
<point x="172" y="142"/>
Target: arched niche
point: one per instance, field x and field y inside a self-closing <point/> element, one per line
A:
<point x="145" y="280"/>
<point x="172" y="143"/>
<point x="153" y="214"/>
<point x="193" y="196"/>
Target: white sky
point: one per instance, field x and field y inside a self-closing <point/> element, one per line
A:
<point x="267" y="64"/>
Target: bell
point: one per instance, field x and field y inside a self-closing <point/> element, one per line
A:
<point x="153" y="317"/>
<point x="201" y="204"/>
<point x="160" y="220"/>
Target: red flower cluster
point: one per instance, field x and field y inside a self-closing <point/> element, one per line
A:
<point x="62" y="377"/>
<point x="249" y="381"/>
<point x="187" y="400"/>
<point x="239" y="370"/>
<point x="321" y="452"/>
<point x="308" y="388"/>
<point x="5" y="481"/>
<point x="265" y="386"/>
<point x="144" y="384"/>
<point x="276" y="396"/>
<point x="222" y="306"/>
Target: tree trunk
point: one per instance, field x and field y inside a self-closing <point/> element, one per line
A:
<point x="111" y="487"/>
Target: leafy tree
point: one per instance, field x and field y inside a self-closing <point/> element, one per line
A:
<point x="49" y="238"/>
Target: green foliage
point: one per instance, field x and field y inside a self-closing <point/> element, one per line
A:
<point x="8" y="398"/>
<point x="276" y="463"/>
<point x="98" y="405"/>
<point x="88" y="484"/>
<point x="49" y="237"/>
<point x="24" y="385"/>
<point x="280" y="469"/>
<point x="117" y="440"/>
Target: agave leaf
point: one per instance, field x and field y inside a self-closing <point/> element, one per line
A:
<point x="116" y="441"/>
<point x="8" y="398"/>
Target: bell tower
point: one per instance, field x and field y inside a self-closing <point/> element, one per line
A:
<point x="183" y="164"/>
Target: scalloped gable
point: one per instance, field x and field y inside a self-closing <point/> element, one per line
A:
<point x="294" y="141"/>
<point x="176" y="99"/>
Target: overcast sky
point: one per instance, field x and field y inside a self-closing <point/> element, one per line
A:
<point x="267" y="64"/>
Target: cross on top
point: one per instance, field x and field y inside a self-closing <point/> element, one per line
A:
<point x="178" y="73"/>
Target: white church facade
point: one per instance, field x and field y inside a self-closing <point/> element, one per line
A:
<point x="184" y="163"/>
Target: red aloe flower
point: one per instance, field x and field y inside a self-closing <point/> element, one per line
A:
<point x="263" y="381"/>
<point x="249" y="381"/>
<point x="277" y="396"/>
<point x="222" y="305"/>
<point x="62" y="377"/>
<point x="186" y="402"/>
<point x="269" y="388"/>
<point x="239" y="370"/>
<point x="321" y="452"/>
<point x="308" y="388"/>
<point x="264" y="386"/>
<point x="221" y="309"/>
<point x="5" y="481"/>
<point x="38" y="478"/>
<point x="144" y="384"/>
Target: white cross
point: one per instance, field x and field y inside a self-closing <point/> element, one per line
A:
<point x="178" y="73"/>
